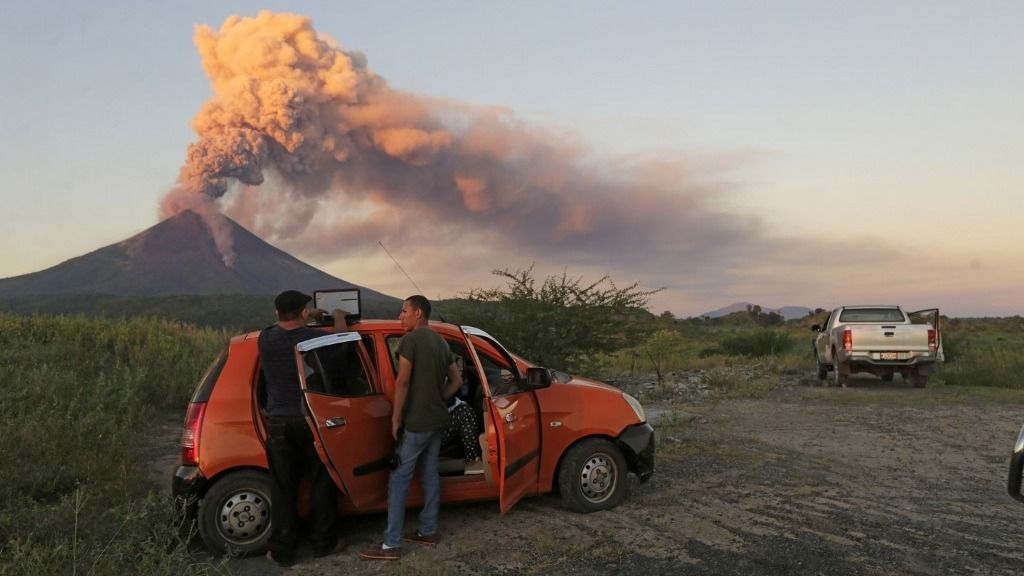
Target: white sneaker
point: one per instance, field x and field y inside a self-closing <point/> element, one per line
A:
<point x="474" y="467"/>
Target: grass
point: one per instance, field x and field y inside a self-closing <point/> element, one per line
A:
<point x="76" y="398"/>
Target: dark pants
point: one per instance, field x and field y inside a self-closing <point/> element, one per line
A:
<point x="292" y="457"/>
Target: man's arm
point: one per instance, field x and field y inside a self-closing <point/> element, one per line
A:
<point x="401" y="389"/>
<point x="339" y="321"/>
<point x="454" y="380"/>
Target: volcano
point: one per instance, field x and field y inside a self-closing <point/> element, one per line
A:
<point x="180" y="257"/>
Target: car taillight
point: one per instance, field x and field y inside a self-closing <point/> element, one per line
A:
<point x="931" y="340"/>
<point x="847" y="340"/>
<point x="190" y="433"/>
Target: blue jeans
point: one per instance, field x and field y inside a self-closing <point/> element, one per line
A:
<point x="413" y="448"/>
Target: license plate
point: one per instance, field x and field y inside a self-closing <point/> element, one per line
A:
<point x="889" y="355"/>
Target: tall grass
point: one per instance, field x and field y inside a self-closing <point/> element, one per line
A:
<point x="980" y="360"/>
<point x="78" y="399"/>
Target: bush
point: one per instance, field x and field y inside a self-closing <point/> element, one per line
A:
<point x="77" y="397"/>
<point x="558" y="324"/>
<point x="758" y="342"/>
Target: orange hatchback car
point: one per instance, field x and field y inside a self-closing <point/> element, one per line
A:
<point x="541" y="431"/>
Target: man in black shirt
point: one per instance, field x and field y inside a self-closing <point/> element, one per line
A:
<point x="291" y="454"/>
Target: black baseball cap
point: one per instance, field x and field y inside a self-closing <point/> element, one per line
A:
<point x="291" y="300"/>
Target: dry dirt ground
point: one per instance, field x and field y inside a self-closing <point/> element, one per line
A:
<point x="876" y="479"/>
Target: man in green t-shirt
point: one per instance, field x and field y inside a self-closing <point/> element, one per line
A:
<point x="418" y="422"/>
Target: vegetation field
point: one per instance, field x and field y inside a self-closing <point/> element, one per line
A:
<point x="78" y="398"/>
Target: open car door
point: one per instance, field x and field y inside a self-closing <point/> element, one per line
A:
<point x="350" y="416"/>
<point x="930" y="316"/>
<point x="511" y="417"/>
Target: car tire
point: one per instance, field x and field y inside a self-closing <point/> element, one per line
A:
<point x="234" y="514"/>
<point x="887" y="377"/>
<point x="592" y="476"/>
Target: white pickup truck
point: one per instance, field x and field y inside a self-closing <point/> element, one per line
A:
<point x="881" y="340"/>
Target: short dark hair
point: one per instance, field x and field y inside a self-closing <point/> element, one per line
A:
<point x="420" y="303"/>
<point x="289" y="304"/>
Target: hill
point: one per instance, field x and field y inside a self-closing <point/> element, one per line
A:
<point x="787" y="312"/>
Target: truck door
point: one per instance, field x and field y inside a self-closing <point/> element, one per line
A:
<point x="930" y="316"/>
<point x="350" y="416"/>
<point x="512" y="417"/>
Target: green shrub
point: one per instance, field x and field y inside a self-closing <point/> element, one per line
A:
<point x="758" y="342"/>
<point x="77" y="398"/>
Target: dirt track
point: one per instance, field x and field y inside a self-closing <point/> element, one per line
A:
<point x="874" y="479"/>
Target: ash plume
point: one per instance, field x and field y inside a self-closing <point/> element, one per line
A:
<point x="349" y="161"/>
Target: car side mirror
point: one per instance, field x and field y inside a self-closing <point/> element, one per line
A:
<point x="537" y="378"/>
<point x="816" y="328"/>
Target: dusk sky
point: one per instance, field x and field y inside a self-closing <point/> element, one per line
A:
<point x="786" y="153"/>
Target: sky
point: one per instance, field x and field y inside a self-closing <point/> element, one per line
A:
<point x="787" y="153"/>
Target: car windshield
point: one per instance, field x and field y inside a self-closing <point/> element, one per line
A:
<point x="871" y="315"/>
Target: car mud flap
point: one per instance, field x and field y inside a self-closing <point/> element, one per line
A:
<point x="637" y="444"/>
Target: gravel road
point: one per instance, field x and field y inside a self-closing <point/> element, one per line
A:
<point x="875" y="479"/>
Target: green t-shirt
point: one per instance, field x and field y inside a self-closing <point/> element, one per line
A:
<point x="425" y="406"/>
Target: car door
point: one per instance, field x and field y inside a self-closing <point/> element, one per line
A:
<point x="821" y="341"/>
<point x="511" y="418"/>
<point x="930" y="316"/>
<point x="350" y="415"/>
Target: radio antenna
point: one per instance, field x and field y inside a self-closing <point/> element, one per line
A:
<point x="418" y="289"/>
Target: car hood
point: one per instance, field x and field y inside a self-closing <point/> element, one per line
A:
<point x="580" y="381"/>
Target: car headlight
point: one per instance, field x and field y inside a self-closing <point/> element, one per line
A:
<point x="636" y="406"/>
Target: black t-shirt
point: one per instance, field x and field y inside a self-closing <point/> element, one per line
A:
<point x="277" y="357"/>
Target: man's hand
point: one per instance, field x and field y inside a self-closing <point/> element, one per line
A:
<point x="396" y="425"/>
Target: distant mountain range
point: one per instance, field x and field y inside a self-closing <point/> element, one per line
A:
<point x="179" y="256"/>
<point x="787" y="312"/>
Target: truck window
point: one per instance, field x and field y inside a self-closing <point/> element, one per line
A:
<point x="871" y="315"/>
<point x="336" y="370"/>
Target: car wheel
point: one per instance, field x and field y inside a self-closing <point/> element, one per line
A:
<point x="592" y="476"/>
<point x="887" y="377"/>
<point x="234" y="515"/>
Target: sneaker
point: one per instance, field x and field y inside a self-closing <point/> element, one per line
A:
<point x="279" y="561"/>
<point x="421" y="539"/>
<point x="339" y="545"/>
<point x="474" y="467"/>
<point x="381" y="553"/>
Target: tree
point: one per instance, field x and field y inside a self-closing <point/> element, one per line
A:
<point x="559" y="323"/>
<point x="661" y="348"/>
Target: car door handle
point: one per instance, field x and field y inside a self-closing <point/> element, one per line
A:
<point x="335" y="422"/>
<point x="510" y="418"/>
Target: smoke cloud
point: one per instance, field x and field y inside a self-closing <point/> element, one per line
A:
<point x="304" y="144"/>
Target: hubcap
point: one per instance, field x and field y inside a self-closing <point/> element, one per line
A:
<point x="244" y="516"/>
<point x="598" y="478"/>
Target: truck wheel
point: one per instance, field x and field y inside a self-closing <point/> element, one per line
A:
<point x="234" y="515"/>
<point x="887" y="377"/>
<point x="592" y="476"/>
<point x="822" y="370"/>
<point x="919" y="381"/>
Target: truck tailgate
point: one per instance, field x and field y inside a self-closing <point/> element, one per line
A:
<point x="890" y="338"/>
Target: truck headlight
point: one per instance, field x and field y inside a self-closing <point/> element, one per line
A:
<point x="636" y="406"/>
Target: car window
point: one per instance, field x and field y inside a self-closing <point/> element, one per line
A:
<point x="500" y="378"/>
<point x="871" y="315"/>
<point x="336" y="370"/>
